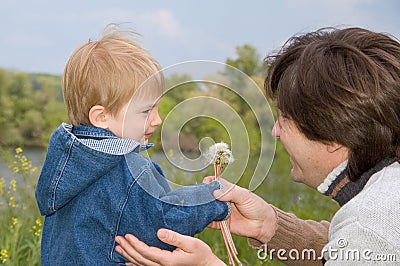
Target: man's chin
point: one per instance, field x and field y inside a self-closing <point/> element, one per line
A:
<point x="295" y="176"/>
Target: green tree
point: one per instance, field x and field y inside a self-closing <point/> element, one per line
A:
<point x="31" y="107"/>
<point x="248" y="60"/>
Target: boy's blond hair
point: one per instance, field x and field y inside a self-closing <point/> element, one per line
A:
<point x="106" y="72"/>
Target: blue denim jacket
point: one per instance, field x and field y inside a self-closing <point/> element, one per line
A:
<point x="95" y="186"/>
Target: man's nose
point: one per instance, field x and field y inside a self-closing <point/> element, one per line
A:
<point x="276" y="130"/>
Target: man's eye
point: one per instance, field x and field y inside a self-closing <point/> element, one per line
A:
<point x="282" y="120"/>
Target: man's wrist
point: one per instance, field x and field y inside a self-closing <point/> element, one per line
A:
<point x="269" y="226"/>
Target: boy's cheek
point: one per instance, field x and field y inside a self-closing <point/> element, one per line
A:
<point x="134" y="131"/>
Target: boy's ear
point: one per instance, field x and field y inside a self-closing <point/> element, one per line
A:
<point x="97" y="116"/>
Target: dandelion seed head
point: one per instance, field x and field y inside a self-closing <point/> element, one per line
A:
<point x="219" y="153"/>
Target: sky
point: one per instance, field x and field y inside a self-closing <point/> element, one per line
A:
<point x="39" y="36"/>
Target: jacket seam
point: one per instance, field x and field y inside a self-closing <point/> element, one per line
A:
<point x="121" y="210"/>
<point x="58" y="178"/>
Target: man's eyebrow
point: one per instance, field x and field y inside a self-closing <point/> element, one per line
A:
<point x="279" y="121"/>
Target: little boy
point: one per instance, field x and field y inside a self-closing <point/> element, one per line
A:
<point x="94" y="184"/>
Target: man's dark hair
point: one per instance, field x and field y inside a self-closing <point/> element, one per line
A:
<point x="342" y="86"/>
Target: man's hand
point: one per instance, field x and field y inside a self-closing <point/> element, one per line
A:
<point x="189" y="251"/>
<point x="251" y="215"/>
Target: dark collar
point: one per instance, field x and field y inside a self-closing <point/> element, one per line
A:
<point x="342" y="189"/>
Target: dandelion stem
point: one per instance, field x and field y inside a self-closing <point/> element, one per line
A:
<point x="226" y="234"/>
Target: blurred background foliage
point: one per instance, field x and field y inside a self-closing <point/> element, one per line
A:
<point x="31" y="105"/>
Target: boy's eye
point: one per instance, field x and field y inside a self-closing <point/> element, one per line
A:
<point x="147" y="111"/>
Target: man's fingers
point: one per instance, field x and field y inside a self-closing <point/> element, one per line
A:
<point x="123" y="249"/>
<point x="131" y="248"/>
<point x="170" y="237"/>
<point x="185" y="243"/>
<point x="214" y="225"/>
<point x="230" y="192"/>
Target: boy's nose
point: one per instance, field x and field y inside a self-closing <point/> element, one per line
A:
<point x="156" y="120"/>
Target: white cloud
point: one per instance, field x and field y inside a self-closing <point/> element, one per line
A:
<point x="163" y="21"/>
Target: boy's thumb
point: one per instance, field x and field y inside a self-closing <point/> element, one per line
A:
<point x="218" y="193"/>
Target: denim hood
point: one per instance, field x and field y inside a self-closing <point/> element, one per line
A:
<point x="61" y="177"/>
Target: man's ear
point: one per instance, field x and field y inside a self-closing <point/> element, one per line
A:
<point x="332" y="147"/>
<point x="97" y="116"/>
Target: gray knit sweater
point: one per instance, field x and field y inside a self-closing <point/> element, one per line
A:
<point x="364" y="231"/>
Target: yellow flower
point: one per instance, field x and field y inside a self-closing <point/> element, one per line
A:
<point x="18" y="150"/>
<point x="37" y="228"/>
<point x="3" y="256"/>
<point x="14" y="223"/>
<point x="23" y="159"/>
<point x="2" y="181"/>
<point x="15" y="170"/>
<point x="12" y="202"/>
<point x="26" y="166"/>
<point x="39" y="222"/>
<point x="13" y="184"/>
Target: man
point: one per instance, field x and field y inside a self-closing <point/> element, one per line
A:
<point x="338" y="91"/>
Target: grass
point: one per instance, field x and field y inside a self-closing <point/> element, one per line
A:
<point x="21" y="223"/>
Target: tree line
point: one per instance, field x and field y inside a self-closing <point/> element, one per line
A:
<point x="31" y="106"/>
